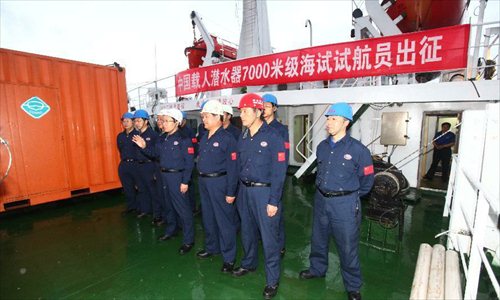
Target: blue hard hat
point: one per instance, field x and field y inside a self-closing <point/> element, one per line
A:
<point x="340" y="109"/>
<point x="184" y="115"/>
<point x="141" y="113"/>
<point x="270" y="98"/>
<point x="128" y="115"/>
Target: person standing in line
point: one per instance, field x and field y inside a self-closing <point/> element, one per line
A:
<point x="128" y="155"/>
<point x="262" y="169"/>
<point x="218" y="180"/>
<point x="176" y="164"/>
<point x="345" y="173"/>
<point x="443" y="142"/>
<point x="228" y="115"/>
<point x="189" y="132"/>
<point x="270" y="109"/>
<point x="145" y="166"/>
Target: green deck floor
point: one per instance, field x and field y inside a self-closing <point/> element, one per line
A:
<point x="85" y="249"/>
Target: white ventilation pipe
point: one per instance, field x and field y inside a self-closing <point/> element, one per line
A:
<point x="421" y="277"/>
<point x="453" y="288"/>
<point x="435" y="289"/>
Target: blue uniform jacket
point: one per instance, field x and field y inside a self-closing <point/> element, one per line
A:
<point x="449" y="137"/>
<point x="128" y="149"/>
<point x="283" y="131"/>
<point x="150" y="136"/>
<point x="218" y="154"/>
<point x="235" y="131"/>
<point x="344" y="166"/>
<point x="174" y="151"/>
<point x="261" y="158"/>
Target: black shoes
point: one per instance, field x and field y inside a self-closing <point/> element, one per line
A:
<point x="270" y="291"/>
<point x="204" y="254"/>
<point x="157" y="222"/>
<point x="354" y="295"/>
<point x="185" y="248"/>
<point x="167" y="237"/>
<point x="240" y="271"/>
<point x="306" y="274"/>
<point x="282" y="252"/>
<point x="227" y="268"/>
<point x="141" y="215"/>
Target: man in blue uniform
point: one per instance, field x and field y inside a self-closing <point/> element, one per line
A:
<point x="270" y="108"/>
<point x="345" y="173"/>
<point x="159" y="209"/>
<point x="127" y="167"/>
<point x="262" y="169"/>
<point x="226" y="123"/>
<point x="218" y="180"/>
<point x="443" y="141"/>
<point x="189" y="132"/>
<point x="145" y="165"/>
<point x="176" y="164"/>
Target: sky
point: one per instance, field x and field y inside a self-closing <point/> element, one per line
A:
<point x="128" y="32"/>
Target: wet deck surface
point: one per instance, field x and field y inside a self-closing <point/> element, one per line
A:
<point x="85" y="249"/>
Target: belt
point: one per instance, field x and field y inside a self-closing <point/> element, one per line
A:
<point x="212" y="175"/>
<point x="144" y="161"/>
<point x="255" y="184"/>
<point x="335" y="194"/>
<point x="128" y="160"/>
<point x="165" y="170"/>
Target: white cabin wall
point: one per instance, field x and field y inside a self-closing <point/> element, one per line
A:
<point x="368" y="128"/>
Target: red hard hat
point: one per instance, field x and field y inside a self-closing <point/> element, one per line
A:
<point x="251" y="100"/>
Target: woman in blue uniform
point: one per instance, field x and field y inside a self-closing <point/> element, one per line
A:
<point x="262" y="169"/>
<point x="345" y="173"/>
<point x="145" y="165"/>
<point x="218" y="180"/>
<point x="176" y="164"/>
<point x="128" y="155"/>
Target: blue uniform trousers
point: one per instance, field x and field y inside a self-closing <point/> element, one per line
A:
<point x="181" y="207"/>
<point x="159" y="199"/>
<point x="339" y="217"/>
<point x="252" y="207"/>
<point x="129" y="178"/>
<point x="219" y="218"/>
<point x="146" y="186"/>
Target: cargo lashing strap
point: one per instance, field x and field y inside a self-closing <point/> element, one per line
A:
<point x="6" y="144"/>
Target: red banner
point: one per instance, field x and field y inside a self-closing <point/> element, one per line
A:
<point x="424" y="51"/>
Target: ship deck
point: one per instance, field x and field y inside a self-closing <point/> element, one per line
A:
<point x="86" y="249"/>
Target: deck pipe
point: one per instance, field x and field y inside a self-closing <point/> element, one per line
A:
<point x="435" y="289"/>
<point x="453" y="287"/>
<point x="421" y="277"/>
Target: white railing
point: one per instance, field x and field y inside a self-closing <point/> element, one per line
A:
<point x="473" y="200"/>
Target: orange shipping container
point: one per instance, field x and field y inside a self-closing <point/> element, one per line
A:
<point x="60" y="119"/>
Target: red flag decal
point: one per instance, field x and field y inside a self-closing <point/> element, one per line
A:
<point x="190" y="150"/>
<point x="368" y="170"/>
<point x="287" y="145"/>
<point x="194" y="140"/>
<point x="281" y="156"/>
<point x="233" y="155"/>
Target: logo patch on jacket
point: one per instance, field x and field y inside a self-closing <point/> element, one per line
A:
<point x="281" y="156"/>
<point x="148" y="139"/>
<point x="216" y="144"/>
<point x="368" y="170"/>
<point x="263" y="144"/>
<point x="347" y="156"/>
<point x="287" y="145"/>
<point x="233" y="156"/>
<point x="176" y="143"/>
<point x="190" y="150"/>
<point x="194" y="140"/>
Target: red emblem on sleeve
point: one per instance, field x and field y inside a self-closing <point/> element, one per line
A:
<point x="190" y="150"/>
<point x="233" y="156"/>
<point x="194" y="140"/>
<point x="281" y="156"/>
<point x="287" y="145"/>
<point x="368" y="170"/>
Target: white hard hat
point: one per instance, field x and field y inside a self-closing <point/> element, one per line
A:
<point x="162" y="112"/>
<point x="174" y="113"/>
<point x="227" y="109"/>
<point x="213" y="107"/>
